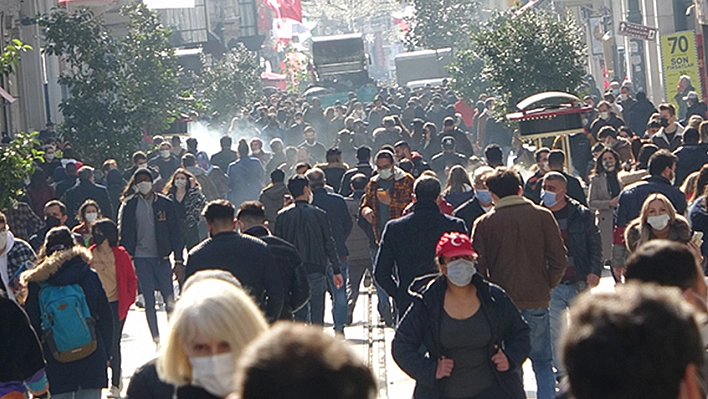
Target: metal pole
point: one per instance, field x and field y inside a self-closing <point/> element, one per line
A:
<point x="636" y="49"/>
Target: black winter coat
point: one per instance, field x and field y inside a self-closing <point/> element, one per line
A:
<point x="75" y="196"/>
<point x="420" y="327"/>
<point x="292" y="272"/>
<point x="20" y="352"/>
<point x="167" y="230"/>
<point x="469" y="211"/>
<point x="632" y="197"/>
<point x="691" y="157"/>
<point x="340" y="221"/>
<point x="248" y="259"/>
<point x="307" y="228"/>
<point x="408" y="243"/>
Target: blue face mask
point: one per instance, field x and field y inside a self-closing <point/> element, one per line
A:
<point x="484" y="196"/>
<point x="549" y="199"/>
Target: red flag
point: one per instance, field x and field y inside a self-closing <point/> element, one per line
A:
<point x="290" y="9"/>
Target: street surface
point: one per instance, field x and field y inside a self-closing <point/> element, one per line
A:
<point x="138" y="348"/>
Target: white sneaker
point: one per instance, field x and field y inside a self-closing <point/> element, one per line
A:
<point x="114" y="392"/>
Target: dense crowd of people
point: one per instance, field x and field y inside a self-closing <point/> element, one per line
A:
<point x="478" y="245"/>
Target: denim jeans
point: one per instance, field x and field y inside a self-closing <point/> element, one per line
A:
<point x="561" y="297"/>
<point x="115" y="347"/>
<point x="339" y="296"/>
<point x="154" y="273"/>
<point x="80" y="394"/>
<point x="541" y="355"/>
<point x="313" y="311"/>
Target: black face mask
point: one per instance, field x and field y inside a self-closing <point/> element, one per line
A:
<point x="52" y="221"/>
<point x="664" y="122"/>
<point x="98" y="238"/>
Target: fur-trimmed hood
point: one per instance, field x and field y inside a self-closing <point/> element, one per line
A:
<point x="75" y="259"/>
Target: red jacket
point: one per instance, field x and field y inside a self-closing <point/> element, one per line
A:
<point x="126" y="280"/>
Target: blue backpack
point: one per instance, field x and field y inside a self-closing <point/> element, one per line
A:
<point x="67" y="325"/>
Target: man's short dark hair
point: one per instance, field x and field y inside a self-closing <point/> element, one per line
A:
<point x="316" y="177"/>
<point x="385" y="154"/>
<point x="277" y="176"/>
<point x="402" y="144"/>
<point x="556" y="158"/>
<point x="504" y="182"/>
<point x="494" y="155"/>
<point x="332" y="154"/>
<point x="449" y="121"/>
<point x="537" y="154"/>
<point x="427" y="188"/>
<point x="691" y="136"/>
<point x="62" y="207"/>
<point x="363" y="153"/>
<point x="139" y="156"/>
<point x="668" y="107"/>
<point x="252" y="212"/>
<point x="85" y="173"/>
<point x="188" y="159"/>
<point x="661" y="160"/>
<point x="607" y="131"/>
<point x="663" y="262"/>
<point x="631" y="343"/>
<point x="225" y="142"/>
<point x="301" y="362"/>
<point x="219" y="211"/>
<point x="555" y="176"/>
<point x="243" y="149"/>
<point x="297" y="184"/>
<point x="70" y="169"/>
<point x="359" y="181"/>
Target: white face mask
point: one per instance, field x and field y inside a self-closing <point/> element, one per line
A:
<point x="386" y="173"/>
<point x="216" y="374"/>
<point x="180" y="183"/>
<point x="144" y="187"/>
<point x="3" y="239"/>
<point x="460" y="272"/>
<point x="165" y="153"/>
<point x="91" y="217"/>
<point x="605" y="115"/>
<point x="659" y="222"/>
<point x="49" y="157"/>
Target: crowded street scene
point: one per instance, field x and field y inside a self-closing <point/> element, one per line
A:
<point x="454" y="199"/>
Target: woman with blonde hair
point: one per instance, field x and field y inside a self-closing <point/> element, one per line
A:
<point x="658" y="219"/>
<point x="212" y="323"/>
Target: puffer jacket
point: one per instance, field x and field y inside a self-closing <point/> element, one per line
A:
<point x="71" y="266"/>
<point x="420" y="327"/>
<point x="307" y="228"/>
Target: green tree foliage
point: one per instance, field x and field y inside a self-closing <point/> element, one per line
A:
<point x="530" y="53"/>
<point x="466" y="72"/>
<point x="15" y="165"/>
<point x="439" y="23"/>
<point x="10" y="58"/>
<point x="229" y="85"/>
<point x="151" y="69"/>
<point x="119" y="87"/>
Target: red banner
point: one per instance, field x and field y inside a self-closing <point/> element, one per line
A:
<point x="290" y="9"/>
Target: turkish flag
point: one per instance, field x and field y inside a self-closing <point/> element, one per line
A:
<point x="290" y="9"/>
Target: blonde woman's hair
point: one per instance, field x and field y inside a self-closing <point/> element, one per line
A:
<point x="214" y="310"/>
